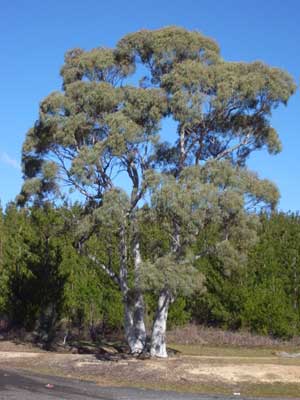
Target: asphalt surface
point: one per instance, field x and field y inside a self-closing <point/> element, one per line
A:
<point x="19" y="386"/>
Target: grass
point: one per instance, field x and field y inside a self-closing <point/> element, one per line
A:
<point x="222" y="351"/>
<point x="241" y="355"/>
<point x="209" y="336"/>
<point x="215" y="347"/>
<point x="276" y="390"/>
<point x="230" y="351"/>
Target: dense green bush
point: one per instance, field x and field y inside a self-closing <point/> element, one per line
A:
<point x="263" y="294"/>
<point x="44" y="279"/>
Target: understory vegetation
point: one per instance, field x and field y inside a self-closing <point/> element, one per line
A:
<point x="47" y="286"/>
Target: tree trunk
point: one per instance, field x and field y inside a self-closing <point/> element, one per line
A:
<point x="129" y="327"/>
<point x="139" y="305"/>
<point x="158" y="339"/>
<point x="135" y="331"/>
<point x="139" y="324"/>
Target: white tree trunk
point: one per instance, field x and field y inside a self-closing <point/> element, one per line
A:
<point x="139" y="323"/>
<point x="123" y="278"/>
<point x="135" y="330"/>
<point x="128" y="325"/>
<point x="158" y="339"/>
<point x="134" y="325"/>
<point x="139" y="305"/>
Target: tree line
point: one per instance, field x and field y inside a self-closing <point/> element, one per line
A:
<point x="46" y="283"/>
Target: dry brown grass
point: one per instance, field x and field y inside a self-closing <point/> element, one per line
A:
<point x="200" y="335"/>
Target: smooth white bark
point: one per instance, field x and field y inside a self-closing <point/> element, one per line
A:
<point x="135" y="330"/>
<point x="129" y="327"/>
<point x="139" y="305"/>
<point x="158" y="339"/>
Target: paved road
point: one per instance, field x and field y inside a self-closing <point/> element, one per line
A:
<point x="19" y="386"/>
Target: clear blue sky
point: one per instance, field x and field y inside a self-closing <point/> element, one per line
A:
<point x="35" y="34"/>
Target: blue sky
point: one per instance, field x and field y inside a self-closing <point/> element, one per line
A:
<point x="35" y="34"/>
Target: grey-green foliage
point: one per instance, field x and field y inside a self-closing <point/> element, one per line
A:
<point x="223" y="109"/>
<point x="90" y="132"/>
<point x="96" y="126"/>
<point x="212" y="194"/>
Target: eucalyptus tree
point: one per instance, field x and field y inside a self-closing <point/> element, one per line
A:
<point x="99" y="136"/>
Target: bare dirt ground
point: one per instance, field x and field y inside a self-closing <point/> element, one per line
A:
<point x="272" y="373"/>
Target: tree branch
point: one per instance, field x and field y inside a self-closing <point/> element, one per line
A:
<point x="224" y="153"/>
<point x="104" y="268"/>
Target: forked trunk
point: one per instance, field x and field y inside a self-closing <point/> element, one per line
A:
<point x="158" y="339"/>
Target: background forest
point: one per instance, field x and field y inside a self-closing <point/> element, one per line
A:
<point x="48" y="287"/>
